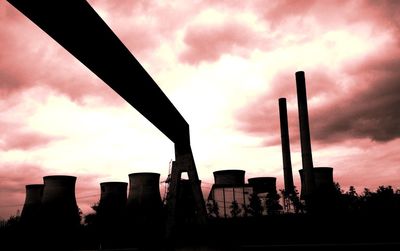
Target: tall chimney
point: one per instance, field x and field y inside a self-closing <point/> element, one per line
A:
<point x="287" y="163"/>
<point x="309" y="182"/>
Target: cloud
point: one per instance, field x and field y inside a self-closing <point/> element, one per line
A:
<point x="17" y="137"/>
<point x="13" y="178"/>
<point x="370" y="109"/>
<point x="29" y="58"/>
<point x="370" y="166"/>
<point x="209" y="42"/>
<point x="261" y="117"/>
<point x="356" y="100"/>
<point x="365" y="110"/>
<point x="24" y="141"/>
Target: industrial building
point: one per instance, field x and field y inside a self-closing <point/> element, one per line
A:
<point x="231" y="196"/>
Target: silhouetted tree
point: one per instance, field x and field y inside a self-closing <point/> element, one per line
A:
<point x="11" y="222"/>
<point x="92" y="218"/>
<point x="338" y="189"/>
<point x="352" y="192"/>
<point x="272" y="203"/>
<point x="254" y="208"/>
<point x="380" y="202"/>
<point x="295" y="198"/>
<point x="212" y="208"/>
<point x="352" y="200"/>
<point x="235" y="209"/>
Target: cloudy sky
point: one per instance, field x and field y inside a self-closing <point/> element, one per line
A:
<point x="223" y="64"/>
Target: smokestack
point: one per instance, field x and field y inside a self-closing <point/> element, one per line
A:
<point x="305" y="140"/>
<point x="287" y="163"/>
<point x="33" y="198"/>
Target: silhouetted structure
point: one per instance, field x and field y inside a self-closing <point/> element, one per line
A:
<point x="285" y="142"/>
<point x="229" y="177"/>
<point x="33" y="202"/>
<point x="111" y="213"/>
<point x="59" y="211"/>
<point x="186" y="207"/>
<point x="144" y="207"/>
<point x="80" y="30"/>
<point x="324" y="180"/>
<point x="77" y="27"/>
<point x="324" y="194"/>
<point x="113" y="198"/>
<point x="229" y="189"/>
<point x="265" y="189"/>
<point x="306" y="153"/>
<point x="263" y="184"/>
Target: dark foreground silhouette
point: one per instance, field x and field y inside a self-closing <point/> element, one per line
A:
<point x="356" y="221"/>
<point x="278" y="231"/>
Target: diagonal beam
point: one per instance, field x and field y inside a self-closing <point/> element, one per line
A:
<point x="76" y="26"/>
<point x="81" y="31"/>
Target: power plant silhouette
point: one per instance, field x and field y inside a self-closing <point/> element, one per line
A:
<point x="53" y="203"/>
<point x="139" y="217"/>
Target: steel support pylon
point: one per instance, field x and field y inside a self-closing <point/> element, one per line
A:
<point x="183" y="163"/>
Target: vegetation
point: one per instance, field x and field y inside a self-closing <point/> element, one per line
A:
<point x="384" y="200"/>
<point x="272" y="203"/>
<point x="255" y="208"/>
<point x="357" y="209"/>
<point x="235" y="209"/>
<point x="212" y="209"/>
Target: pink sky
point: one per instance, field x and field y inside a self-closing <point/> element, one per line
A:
<point x="223" y="64"/>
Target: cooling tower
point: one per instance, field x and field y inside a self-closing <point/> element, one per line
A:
<point x="229" y="177"/>
<point x="323" y="180"/>
<point x="113" y="198"/>
<point x="111" y="214"/>
<point x="186" y="204"/>
<point x="33" y="198"/>
<point x="307" y="161"/>
<point x="60" y="216"/>
<point x="144" y="207"/>
<point x="58" y="201"/>
<point x="144" y="191"/>
<point x="263" y="184"/>
<point x="287" y="163"/>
